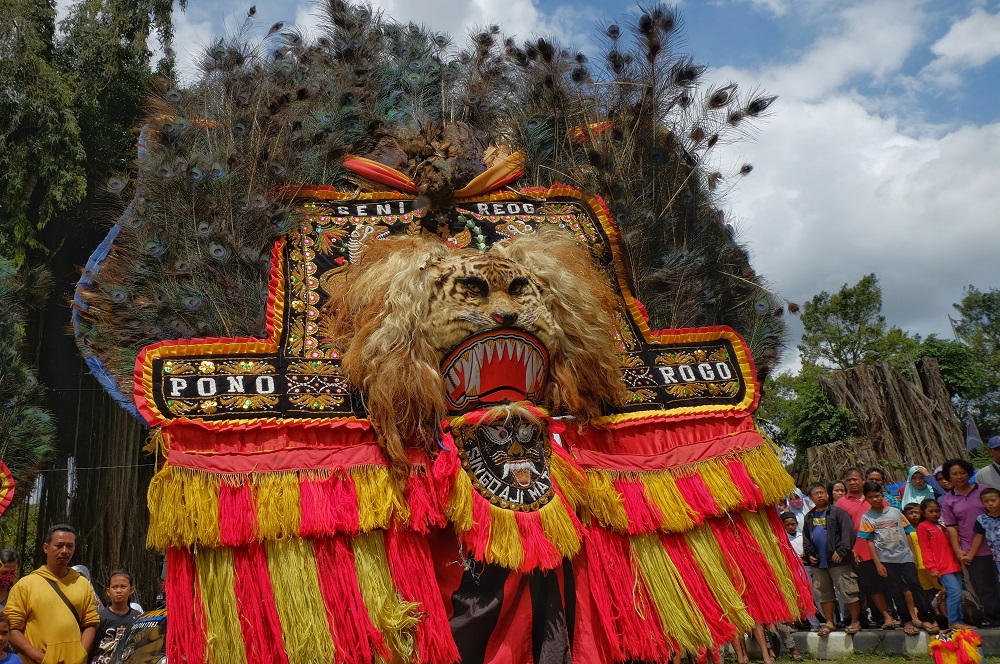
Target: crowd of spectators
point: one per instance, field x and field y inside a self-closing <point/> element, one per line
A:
<point x="922" y="555"/>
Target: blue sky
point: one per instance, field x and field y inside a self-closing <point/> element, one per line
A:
<point x="882" y="154"/>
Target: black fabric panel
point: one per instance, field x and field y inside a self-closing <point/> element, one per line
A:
<point x="477" y="603"/>
<point x="549" y="641"/>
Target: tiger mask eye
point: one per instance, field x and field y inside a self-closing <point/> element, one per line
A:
<point x="475" y="285"/>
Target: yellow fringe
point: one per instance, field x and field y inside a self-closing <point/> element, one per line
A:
<point x="223" y="635"/>
<point x="570" y="481"/>
<point x="201" y="501"/>
<point x="379" y="498"/>
<point x="713" y="566"/>
<point x="397" y="619"/>
<point x="299" y="600"/>
<point x="767" y="473"/>
<point x="720" y="484"/>
<point x="661" y="488"/>
<point x="505" y="539"/>
<point x="761" y="529"/>
<point x="459" y="507"/>
<point x="676" y="606"/>
<point x="183" y="509"/>
<point x="278" y="505"/>
<point x="558" y="527"/>
<point x="606" y="502"/>
<point x="169" y="524"/>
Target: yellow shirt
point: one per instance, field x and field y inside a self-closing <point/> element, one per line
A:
<point x="34" y="608"/>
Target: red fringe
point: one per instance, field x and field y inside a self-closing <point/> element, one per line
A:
<point x="259" y="621"/>
<point x="750" y="571"/>
<point x="795" y="565"/>
<point x="643" y="515"/>
<point x="539" y="552"/>
<point x="445" y="468"/>
<point x="697" y="495"/>
<point x="753" y="499"/>
<point x="425" y="508"/>
<point x="186" y="633"/>
<point x="237" y="514"/>
<point x="478" y="537"/>
<point x="412" y="573"/>
<point x="355" y="637"/>
<point x="344" y="504"/>
<point x="722" y="630"/>
<point x="318" y="506"/>
<point x="628" y="616"/>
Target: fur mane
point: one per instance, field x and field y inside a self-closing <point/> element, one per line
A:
<point x="383" y="299"/>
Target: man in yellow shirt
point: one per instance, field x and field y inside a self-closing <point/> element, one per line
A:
<point x="52" y="614"/>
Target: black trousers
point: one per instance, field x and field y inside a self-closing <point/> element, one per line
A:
<point x="983" y="575"/>
<point x="903" y="576"/>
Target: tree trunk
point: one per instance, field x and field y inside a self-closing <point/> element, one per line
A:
<point x="906" y="416"/>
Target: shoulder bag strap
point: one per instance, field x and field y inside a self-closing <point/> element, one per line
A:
<point x="69" y="605"/>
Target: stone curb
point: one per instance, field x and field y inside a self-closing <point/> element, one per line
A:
<point x="892" y="642"/>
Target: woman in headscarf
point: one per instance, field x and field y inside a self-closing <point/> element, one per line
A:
<point x="916" y="489"/>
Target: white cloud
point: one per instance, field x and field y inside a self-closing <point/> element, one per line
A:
<point x="868" y="38"/>
<point x="970" y="42"/>
<point x="845" y="184"/>
<point x="839" y="192"/>
<point x="518" y="18"/>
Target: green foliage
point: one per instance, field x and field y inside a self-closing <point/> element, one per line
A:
<point x="978" y="327"/>
<point x="803" y="416"/>
<point x="27" y="431"/>
<point x="847" y="329"/>
<point x="963" y="372"/>
<point x="42" y="163"/>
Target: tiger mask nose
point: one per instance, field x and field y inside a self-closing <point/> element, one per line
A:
<point x="504" y="318"/>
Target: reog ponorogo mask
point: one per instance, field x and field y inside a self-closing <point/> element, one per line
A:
<point x="455" y="434"/>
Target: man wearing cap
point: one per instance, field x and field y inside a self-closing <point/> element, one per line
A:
<point x="990" y="475"/>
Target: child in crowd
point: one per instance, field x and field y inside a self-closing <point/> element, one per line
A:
<point x="930" y="585"/>
<point x="886" y="531"/>
<point x="6" y="657"/>
<point x="988" y="525"/>
<point x="940" y="561"/>
<point x="115" y="618"/>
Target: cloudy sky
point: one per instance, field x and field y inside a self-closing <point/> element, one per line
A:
<point x="882" y="154"/>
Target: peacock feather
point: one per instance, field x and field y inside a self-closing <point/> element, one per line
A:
<point x="636" y="124"/>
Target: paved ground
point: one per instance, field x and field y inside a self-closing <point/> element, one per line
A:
<point x="876" y="641"/>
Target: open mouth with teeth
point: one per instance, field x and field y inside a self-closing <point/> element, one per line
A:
<point x="496" y="366"/>
<point x="521" y="472"/>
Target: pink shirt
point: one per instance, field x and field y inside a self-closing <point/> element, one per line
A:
<point x="857" y="508"/>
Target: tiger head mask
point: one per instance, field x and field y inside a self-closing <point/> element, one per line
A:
<point x="418" y="321"/>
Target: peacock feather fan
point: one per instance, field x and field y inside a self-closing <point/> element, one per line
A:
<point x="635" y="123"/>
